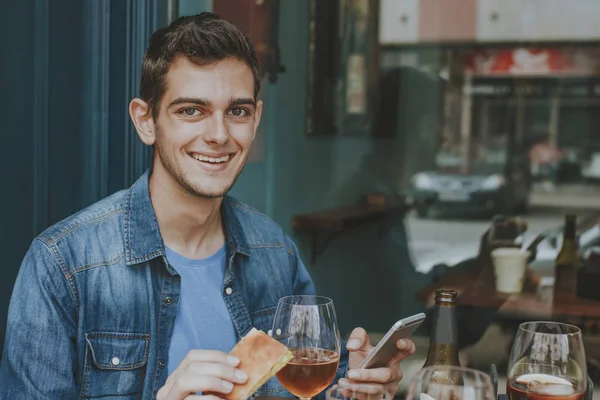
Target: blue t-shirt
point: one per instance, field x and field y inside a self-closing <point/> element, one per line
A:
<point x="202" y="321"/>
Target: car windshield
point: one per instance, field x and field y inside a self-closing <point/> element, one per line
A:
<point x="476" y="157"/>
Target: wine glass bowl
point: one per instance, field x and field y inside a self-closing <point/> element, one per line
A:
<point x="547" y="362"/>
<point x="338" y="392"/>
<point x="307" y="325"/>
<point x="445" y="382"/>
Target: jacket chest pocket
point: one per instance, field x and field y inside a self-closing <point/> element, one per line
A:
<point x="114" y="365"/>
<point x="263" y="319"/>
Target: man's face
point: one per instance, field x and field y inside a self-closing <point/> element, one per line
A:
<point x="206" y="124"/>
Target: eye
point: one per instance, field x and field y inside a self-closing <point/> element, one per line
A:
<point x="239" y="112"/>
<point x="189" y="112"/>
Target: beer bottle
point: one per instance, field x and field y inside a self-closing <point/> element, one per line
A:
<point x="567" y="260"/>
<point x="443" y="343"/>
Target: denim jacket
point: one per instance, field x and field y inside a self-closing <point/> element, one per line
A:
<point x="94" y="304"/>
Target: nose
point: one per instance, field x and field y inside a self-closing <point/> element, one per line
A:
<point x="217" y="132"/>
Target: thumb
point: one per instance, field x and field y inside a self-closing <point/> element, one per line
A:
<point x="358" y="339"/>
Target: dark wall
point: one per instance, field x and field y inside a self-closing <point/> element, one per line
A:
<point x="67" y="73"/>
<point x="65" y="104"/>
<point x="18" y="117"/>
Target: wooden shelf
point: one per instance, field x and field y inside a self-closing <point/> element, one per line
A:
<point x="329" y="224"/>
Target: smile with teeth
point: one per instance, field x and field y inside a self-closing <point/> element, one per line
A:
<point x="212" y="160"/>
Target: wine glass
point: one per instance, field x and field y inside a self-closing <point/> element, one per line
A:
<point x="445" y="382"/>
<point x="547" y="361"/>
<point x="307" y="325"/>
<point x="337" y="392"/>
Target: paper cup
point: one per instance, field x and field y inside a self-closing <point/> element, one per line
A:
<point x="510" y="265"/>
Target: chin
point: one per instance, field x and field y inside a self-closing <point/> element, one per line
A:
<point x="205" y="192"/>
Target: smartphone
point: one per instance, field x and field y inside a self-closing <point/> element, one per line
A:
<point x="381" y="354"/>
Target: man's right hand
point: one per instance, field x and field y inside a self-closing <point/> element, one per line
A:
<point x="205" y="371"/>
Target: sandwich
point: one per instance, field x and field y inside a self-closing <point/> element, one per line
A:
<point x="261" y="357"/>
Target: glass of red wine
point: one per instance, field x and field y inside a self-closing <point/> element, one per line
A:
<point x="307" y="325"/>
<point x="547" y="362"/>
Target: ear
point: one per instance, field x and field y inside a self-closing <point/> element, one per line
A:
<point x="257" y="115"/>
<point x="141" y="116"/>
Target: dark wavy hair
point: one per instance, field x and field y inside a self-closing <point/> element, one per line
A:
<point x="204" y="39"/>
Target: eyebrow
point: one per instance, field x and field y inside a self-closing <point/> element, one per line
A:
<point x="242" y="101"/>
<point x="187" y="100"/>
<point x="238" y="101"/>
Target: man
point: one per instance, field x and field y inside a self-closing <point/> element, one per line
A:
<point x="545" y="159"/>
<point x="142" y="294"/>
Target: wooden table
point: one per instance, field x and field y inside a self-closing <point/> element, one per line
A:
<point x="326" y="225"/>
<point x="532" y="303"/>
<point x="478" y="297"/>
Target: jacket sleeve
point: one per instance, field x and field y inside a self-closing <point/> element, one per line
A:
<point x="39" y="357"/>
<point x="303" y="284"/>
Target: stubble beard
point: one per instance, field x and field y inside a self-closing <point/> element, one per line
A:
<point x="179" y="176"/>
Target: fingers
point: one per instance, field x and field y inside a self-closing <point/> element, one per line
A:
<point x="378" y="380"/>
<point x="375" y="375"/>
<point x="162" y="393"/>
<point x="366" y="391"/>
<point x="360" y="388"/>
<point x="358" y="339"/>
<point x="219" y="370"/>
<point x="406" y="348"/>
<point x="209" y="372"/>
<point x="211" y="356"/>
<point x="189" y="384"/>
<point x="199" y="356"/>
<point x="391" y="388"/>
<point x="406" y="345"/>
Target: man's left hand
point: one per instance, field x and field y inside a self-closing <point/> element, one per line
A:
<point x="373" y="380"/>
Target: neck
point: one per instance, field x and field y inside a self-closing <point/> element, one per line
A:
<point x="189" y="225"/>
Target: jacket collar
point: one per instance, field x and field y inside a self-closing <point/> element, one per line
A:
<point x="143" y="240"/>
<point x="234" y="232"/>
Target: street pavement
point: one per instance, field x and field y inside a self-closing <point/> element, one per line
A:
<point x="547" y="212"/>
<point x="438" y="234"/>
<point x="575" y="195"/>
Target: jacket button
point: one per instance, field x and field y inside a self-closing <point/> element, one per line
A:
<point x="168" y="300"/>
<point x="228" y="291"/>
<point x="115" y="361"/>
<point x="161" y="365"/>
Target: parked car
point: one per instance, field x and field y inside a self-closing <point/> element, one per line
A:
<point x="486" y="188"/>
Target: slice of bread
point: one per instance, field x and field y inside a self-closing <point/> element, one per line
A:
<point x="261" y="357"/>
